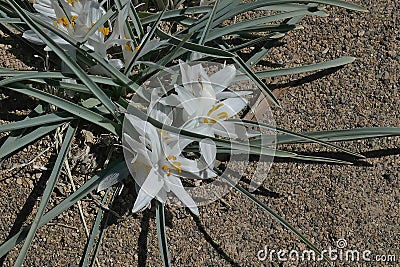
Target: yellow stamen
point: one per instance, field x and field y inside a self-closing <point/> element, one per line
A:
<point x="177" y="166"/>
<point x="105" y="30"/>
<point x="223" y="115"/>
<point x="211" y="121"/>
<point x="171" y="157"/>
<point x="165" y="167"/>
<point x="137" y="47"/>
<point x="214" y="108"/>
<point x="71" y="2"/>
<point x="55" y="24"/>
<point x="163" y="132"/>
<point x="128" y="46"/>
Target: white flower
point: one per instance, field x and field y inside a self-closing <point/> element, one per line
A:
<point x="158" y="164"/>
<point x="206" y="103"/>
<point x="75" y="18"/>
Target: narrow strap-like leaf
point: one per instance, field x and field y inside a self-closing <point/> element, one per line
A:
<point x="46" y="194"/>
<point x="72" y="108"/>
<point x="162" y="234"/>
<point x="18" y="143"/>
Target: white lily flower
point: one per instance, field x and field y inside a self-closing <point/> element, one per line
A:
<point x="158" y="164"/>
<point x="75" y="18"/>
<point x="206" y="103"/>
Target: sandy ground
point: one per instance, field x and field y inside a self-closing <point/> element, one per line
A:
<point x="327" y="203"/>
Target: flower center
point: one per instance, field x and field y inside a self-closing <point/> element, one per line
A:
<point x="64" y="21"/>
<point x="106" y="31"/>
<point x="72" y="2"/>
<point x="173" y="165"/>
<point x="219" y="116"/>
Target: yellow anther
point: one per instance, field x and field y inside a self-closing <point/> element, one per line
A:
<point x="171" y="157"/>
<point x="163" y="132"/>
<point x="128" y="46"/>
<point x="165" y="167"/>
<point x="105" y="30"/>
<point x="214" y="108"/>
<point x="211" y="121"/>
<point x="177" y="166"/>
<point x="169" y="173"/>
<point x="147" y="167"/>
<point x="72" y="2"/>
<point x="55" y="24"/>
<point x="73" y="18"/>
<point x="223" y="115"/>
<point x="137" y="47"/>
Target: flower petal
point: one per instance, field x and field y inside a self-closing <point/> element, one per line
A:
<point x="223" y="78"/>
<point x="175" y="185"/>
<point x="148" y="190"/>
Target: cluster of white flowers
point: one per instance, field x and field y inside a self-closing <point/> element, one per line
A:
<point x="77" y="17"/>
<point x="203" y="106"/>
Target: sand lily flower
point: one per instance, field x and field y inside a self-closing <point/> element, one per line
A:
<point x="206" y="104"/>
<point x="158" y="164"/>
<point x="75" y="18"/>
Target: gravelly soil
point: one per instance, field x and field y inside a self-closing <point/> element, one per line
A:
<point x="358" y="203"/>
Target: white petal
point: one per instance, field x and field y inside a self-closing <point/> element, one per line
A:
<point x="223" y="78"/>
<point x="176" y="186"/>
<point x="232" y="106"/>
<point x="32" y="37"/>
<point x="137" y="147"/>
<point x="148" y="190"/>
<point x="45" y="10"/>
<point x="208" y="152"/>
<point x="171" y="100"/>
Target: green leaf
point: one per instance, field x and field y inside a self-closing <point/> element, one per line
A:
<point x="290" y="133"/>
<point x="162" y="234"/>
<point x="256" y="80"/>
<point x="55" y="173"/>
<point x="342" y="135"/>
<point x="68" y="106"/>
<point x="147" y="38"/>
<point x="258" y="22"/>
<point x="295" y="70"/>
<point x="208" y="27"/>
<point x="281" y="154"/>
<point x="36" y="121"/>
<point x="20" y="142"/>
<point x="148" y="18"/>
<point x="219" y="53"/>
